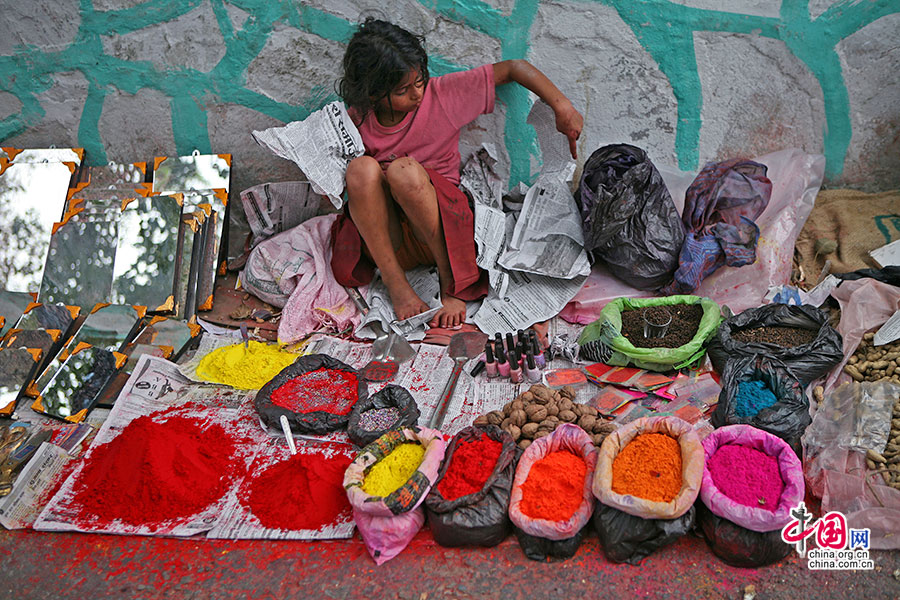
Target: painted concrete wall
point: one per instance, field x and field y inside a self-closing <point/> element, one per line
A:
<point x="688" y="80"/>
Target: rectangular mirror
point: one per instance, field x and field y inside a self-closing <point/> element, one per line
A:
<point x="186" y="289"/>
<point x="79" y="268"/>
<point x="114" y="174"/>
<point x="48" y="316"/>
<point x="12" y="305"/>
<point x="173" y="333"/>
<point x="110" y="327"/>
<point x="77" y="384"/>
<point x="17" y="369"/>
<point x="146" y="257"/>
<point x="41" y="155"/>
<point x="195" y="172"/>
<point x="32" y="199"/>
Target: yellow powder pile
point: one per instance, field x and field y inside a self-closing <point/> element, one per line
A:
<point x="245" y="368"/>
<point x="393" y="470"/>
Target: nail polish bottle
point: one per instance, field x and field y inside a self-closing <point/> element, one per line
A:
<point x="515" y="370"/>
<point x="539" y="359"/>
<point x="520" y="352"/>
<point x="510" y="345"/>
<point x="502" y="364"/>
<point x="498" y="338"/>
<point x="532" y="373"/>
<point x="520" y="336"/>
<point x="489" y="363"/>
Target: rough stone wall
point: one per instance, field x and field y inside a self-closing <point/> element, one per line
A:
<point x="688" y="80"/>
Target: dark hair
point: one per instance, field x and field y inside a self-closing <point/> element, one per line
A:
<point x="378" y="57"/>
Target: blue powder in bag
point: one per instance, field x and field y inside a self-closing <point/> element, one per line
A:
<point x="752" y="396"/>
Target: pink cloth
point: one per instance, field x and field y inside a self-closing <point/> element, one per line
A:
<point x="292" y="270"/>
<point x="430" y="134"/>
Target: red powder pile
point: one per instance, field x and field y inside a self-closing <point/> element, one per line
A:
<point x="470" y="466"/>
<point x="304" y="492"/>
<point x="330" y="390"/>
<point x="555" y="487"/>
<point x="747" y="476"/>
<point x="156" y="472"/>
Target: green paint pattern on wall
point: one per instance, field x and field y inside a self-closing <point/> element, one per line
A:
<point x="664" y="29"/>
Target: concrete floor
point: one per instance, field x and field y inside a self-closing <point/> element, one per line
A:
<point x="65" y="565"/>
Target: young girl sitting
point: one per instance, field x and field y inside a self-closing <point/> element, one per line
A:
<point x="405" y="208"/>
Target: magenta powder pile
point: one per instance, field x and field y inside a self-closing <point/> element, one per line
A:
<point x="747" y="476"/>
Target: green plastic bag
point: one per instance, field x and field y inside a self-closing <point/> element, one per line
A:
<point x="618" y="351"/>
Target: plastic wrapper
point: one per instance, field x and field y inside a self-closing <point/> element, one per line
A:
<point x="807" y="362"/>
<point x="315" y="422"/>
<point x="388" y="524"/>
<point x="850" y="419"/>
<point x="796" y="178"/>
<point x="389" y="396"/>
<point x="619" y="351"/>
<point x="631" y="528"/>
<point x="482" y="518"/>
<point x="865" y="304"/>
<point x="629" y="219"/>
<point x="753" y="517"/>
<point x="739" y="546"/>
<point x="788" y="418"/>
<point x="540" y="538"/>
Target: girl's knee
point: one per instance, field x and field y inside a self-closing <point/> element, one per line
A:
<point x="363" y="172"/>
<point x="406" y="176"/>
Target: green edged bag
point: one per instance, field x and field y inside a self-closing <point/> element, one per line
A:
<point x="602" y="340"/>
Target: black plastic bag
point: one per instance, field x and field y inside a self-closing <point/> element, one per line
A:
<point x="628" y="216"/>
<point x="538" y="548"/>
<point x="788" y="418"/>
<point x="482" y="518"/>
<point x="739" y="546"/>
<point x="389" y="396"/>
<point x="807" y="361"/>
<point x="314" y="422"/>
<point x="627" y="538"/>
<point x="889" y="275"/>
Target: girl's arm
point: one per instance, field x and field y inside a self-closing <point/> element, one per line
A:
<point x="568" y="120"/>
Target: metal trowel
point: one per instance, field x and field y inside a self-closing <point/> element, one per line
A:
<point x="463" y="346"/>
<point x="389" y="350"/>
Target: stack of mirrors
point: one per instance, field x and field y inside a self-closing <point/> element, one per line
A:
<point x="204" y="181"/>
<point x="101" y="237"/>
<point x="33" y="187"/>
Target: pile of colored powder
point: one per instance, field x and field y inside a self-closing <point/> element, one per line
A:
<point x="747" y="476"/>
<point x="470" y="466"/>
<point x="154" y="472"/>
<point x="554" y="488"/>
<point x="649" y="467"/>
<point x="394" y="470"/>
<point x="329" y="390"/>
<point x="379" y="419"/>
<point x="752" y="396"/>
<point x="303" y="492"/>
<point x="247" y="368"/>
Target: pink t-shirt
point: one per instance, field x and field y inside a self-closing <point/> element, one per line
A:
<point x="430" y="134"/>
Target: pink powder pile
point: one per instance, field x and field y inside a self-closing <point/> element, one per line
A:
<point x="747" y="476"/>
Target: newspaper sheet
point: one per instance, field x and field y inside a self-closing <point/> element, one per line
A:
<point x="156" y="384"/>
<point x="424" y="282"/>
<point x="322" y="145"/>
<point x="529" y="299"/>
<point x="237" y="521"/>
<point x="21" y="507"/>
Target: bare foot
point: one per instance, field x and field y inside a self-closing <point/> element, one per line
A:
<point x="451" y="314"/>
<point x="406" y="303"/>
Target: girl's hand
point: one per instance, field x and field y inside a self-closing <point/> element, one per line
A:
<point x="569" y="122"/>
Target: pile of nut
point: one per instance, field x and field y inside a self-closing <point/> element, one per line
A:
<point x="888" y="464"/>
<point x="875" y="363"/>
<point x="539" y="411"/>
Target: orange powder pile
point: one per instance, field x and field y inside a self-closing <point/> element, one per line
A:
<point x="555" y="486"/>
<point x="649" y="467"/>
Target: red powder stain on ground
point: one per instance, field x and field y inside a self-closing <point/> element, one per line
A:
<point x="303" y="492"/>
<point x="155" y="472"/>
<point x="330" y="390"/>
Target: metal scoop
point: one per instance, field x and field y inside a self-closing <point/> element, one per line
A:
<point x="388" y="350"/>
<point x="463" y="346"/>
